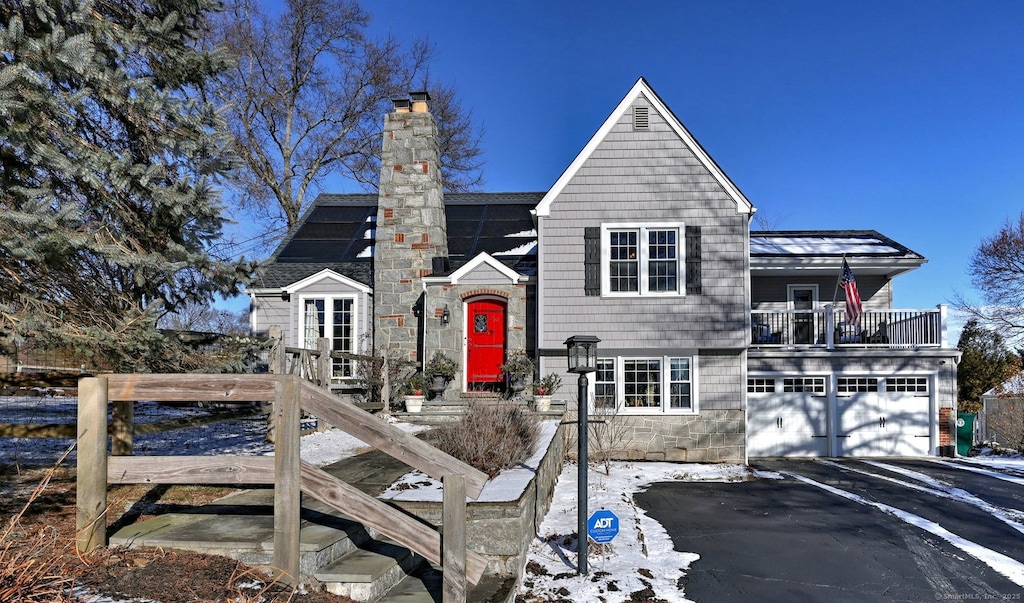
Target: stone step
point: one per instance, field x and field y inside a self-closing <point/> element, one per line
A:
<point x="368" y="572"/>
<point x="242" y="527"/>
<point x="425" y="587"/>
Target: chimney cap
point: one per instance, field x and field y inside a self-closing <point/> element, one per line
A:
<point x="401" y="104"/>
<point x="422" y="95"/>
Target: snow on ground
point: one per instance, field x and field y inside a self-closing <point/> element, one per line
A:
<point x="641" y="558"/>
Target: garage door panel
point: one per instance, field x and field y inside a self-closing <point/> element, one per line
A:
<point x="787" y="424"/>
<point x="762" y="425"/>
<point x="907" y="423"/>
<point x="858" y="421"/>
<point x="804" y="423"/>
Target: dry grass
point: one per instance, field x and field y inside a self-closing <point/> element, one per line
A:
<point x="32" y="561"/>
<point x="39" y="563"/>
<point x="490" y="437"/>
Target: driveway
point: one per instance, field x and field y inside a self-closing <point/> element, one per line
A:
<point x="850" y="530"/>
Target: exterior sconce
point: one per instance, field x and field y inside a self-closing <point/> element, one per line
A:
<point x="285" y="296"/>
<point x="446" y="316"/>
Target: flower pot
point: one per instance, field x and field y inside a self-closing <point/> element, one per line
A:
<point x="517" y="384"/>
<point x="542" y="403"/>
<point x="413" y="403"/>
<point x="438" y="383"/>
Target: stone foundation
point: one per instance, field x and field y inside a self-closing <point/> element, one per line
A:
<point x="713" y="436"/>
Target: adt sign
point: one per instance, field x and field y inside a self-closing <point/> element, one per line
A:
<point x="602" y="526"/>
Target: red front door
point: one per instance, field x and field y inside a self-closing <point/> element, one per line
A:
<point x="485" y="343"/>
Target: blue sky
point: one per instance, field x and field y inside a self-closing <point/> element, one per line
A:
<point x="903" y="117"/>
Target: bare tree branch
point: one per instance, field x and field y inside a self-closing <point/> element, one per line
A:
<point x="306" y="99"/>
<point x="997" y="270"/>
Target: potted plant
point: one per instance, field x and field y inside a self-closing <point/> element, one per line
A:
<point x="441" y="370"/>
<point x="544" y="389"/>
<point x="413" y="389"/>
<point x="517" y="367"/>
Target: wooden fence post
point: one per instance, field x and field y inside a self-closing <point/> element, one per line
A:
<point x="278" y="361"/>
<point x="277" y="364"/>
<point x="323" y="363"/>
<point x="287" y="482"/>
<point x="91" y="487"/>
<point x="453" y="539"/>
<point x="123" y="428"/>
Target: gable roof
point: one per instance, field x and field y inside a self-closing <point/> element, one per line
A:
<point x="642" y="88"/>
<point x="866" y="252"/>
<point x="484" y="259"/>
<point x="338" y="233"/>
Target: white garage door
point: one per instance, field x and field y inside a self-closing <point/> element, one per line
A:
<point x="787" y="417"/>
<point x="882" y="417"/>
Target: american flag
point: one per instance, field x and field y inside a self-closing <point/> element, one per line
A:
<point x="853" y="305"/>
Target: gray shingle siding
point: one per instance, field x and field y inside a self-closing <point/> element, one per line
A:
<point x="646" y="177"/>
<point x="271" y="310"/>
<point x="771" y="293"/>
<point x="484" y="275"/>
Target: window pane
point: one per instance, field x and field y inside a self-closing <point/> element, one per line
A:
<point x="641" y="383"/>
<point x="679" y="383"/>
<point x="314" y="322"/>
<point x="604" y="384"/>
<point x="342" y="337"/>
<point x="662" y="265"/>
<point x="624" y="267"/>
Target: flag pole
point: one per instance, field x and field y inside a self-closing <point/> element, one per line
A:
<point x="839" y="279"/>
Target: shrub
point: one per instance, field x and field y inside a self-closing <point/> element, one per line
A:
<point x="548" y="385"/>
<point x="441" y="364"/>
<point x="490" y="437"/>
<point x="415" y="384"/>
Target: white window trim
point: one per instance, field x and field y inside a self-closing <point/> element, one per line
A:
<point x="644" y="259"/>
<point x="328" y="305"/>
<point x="666" y="374"/>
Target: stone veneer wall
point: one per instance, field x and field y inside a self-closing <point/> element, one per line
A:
<point x="451" y="339"/>
<point x="411" y="228"/>
<point x="502" y="531"/>
<point x="712" y="436"/>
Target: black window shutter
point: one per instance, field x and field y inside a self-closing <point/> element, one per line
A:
<point x="592" y="260"/>
<point x="693" y="260"/>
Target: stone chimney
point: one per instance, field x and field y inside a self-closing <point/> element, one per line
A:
<point x="411" y="227"/>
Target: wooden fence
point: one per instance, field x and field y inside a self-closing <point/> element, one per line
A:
<point x="286" y="471"/>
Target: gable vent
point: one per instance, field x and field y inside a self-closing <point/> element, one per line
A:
<point x="641" y="119"/>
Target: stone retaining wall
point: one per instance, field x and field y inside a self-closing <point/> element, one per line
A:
<point x="502" y="530"/>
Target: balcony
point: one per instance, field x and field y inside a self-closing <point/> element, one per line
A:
<point x="828" y="328"/>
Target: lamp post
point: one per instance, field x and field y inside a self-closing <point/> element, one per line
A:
<point x="582" y="357"/>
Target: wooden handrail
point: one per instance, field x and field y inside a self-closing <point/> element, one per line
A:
<point x="285" y="470"/>
<point x="389" y="439"/>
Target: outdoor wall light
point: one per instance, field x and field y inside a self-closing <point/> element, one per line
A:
<point x="285" y="296"/>
<point x="446" y="316"/>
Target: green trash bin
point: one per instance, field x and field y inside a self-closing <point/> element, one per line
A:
<point x="964" y="432"/>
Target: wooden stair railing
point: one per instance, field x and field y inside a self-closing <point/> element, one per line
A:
<point x="289" y="475"/>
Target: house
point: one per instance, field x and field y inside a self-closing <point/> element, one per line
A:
<point x="716" y="343"/>
<point x="1001" y="420"/>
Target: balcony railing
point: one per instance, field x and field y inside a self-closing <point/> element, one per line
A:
<point x="828" y="328"/>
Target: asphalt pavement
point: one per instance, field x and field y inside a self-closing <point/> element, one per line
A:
<point x="847" y="530"/>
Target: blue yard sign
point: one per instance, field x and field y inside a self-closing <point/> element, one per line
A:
<point x="602" y="526"/>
